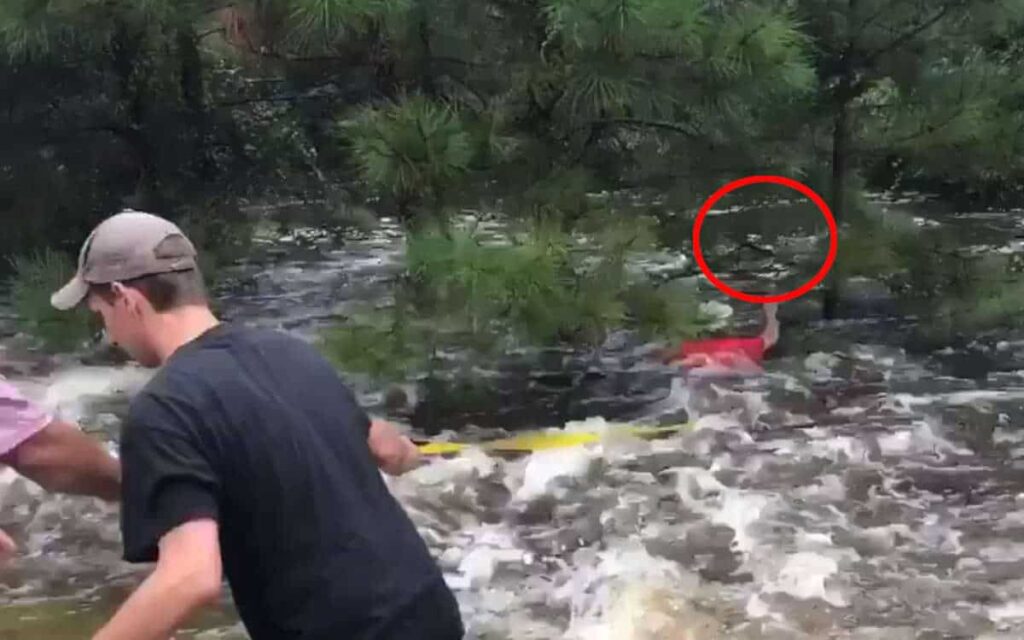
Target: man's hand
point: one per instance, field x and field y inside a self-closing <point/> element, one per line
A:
<point x="63" y="459"/>
<point x="187" y="577"/>
<point x="395" y="454"/>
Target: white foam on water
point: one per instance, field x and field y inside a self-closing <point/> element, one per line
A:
<point x="720" y="311"/>
<point x="885" y="538"/>
<point x="615" y="589"/>
<point x="758" y="608"/>
<point x="717" y="422"/>
<point x="958" y="398"/>
<point x="66" y="393"/>
<point x="848" y="412"/>
<point x="838" y="448"/>
<point x="471" y="463"/>
<point x="1003" y="552"/>
<point x="1009" y="611"/>
<point x="695" y="484"/>
<point x="922" y="438"/>
<point x="623" y="593"/>
<point x="806" y="575"/>
<point x="937" y="535"/>
<point x="544" y="470"/>
<point x="1007" y="436"/>
<point x="820" y="365"/>
<point x="491" y="546"/>
<point x="738" y="510"/>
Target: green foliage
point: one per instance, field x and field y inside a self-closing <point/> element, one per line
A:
<point x="376" y="345"/>
<point x="221" y="233"/>
<point x="628" y="26"/>
<point x="960" y="291"/>
<point x="873" y="246"/>
<point x="754" y="40"/>
<point x="322" y="21"/>
<point x="465" y="292"/>
<point x="659" y="62"/>
<point x="35" y="279"/>
<point x="411" y="150"/>
<point x="37" y="28"/>
<point x="563" y="193"/>
<point x="171" y="106"/>
<point x="999" y="305"/>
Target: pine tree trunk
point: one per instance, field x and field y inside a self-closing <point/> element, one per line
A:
<point x="840" y="158"/>
<point x="193" y="97"/>
<point x="191" y="71"/>
<point x="124" y="50"/>
<point x="426" y="54"/>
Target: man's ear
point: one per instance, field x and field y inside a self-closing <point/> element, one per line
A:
<point x="126" y="296"/>
<point x="119" y="290"/>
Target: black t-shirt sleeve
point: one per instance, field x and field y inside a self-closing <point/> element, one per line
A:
<point x="167" y="480"/>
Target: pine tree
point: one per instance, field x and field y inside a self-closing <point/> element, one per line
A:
<point x="902" y="77"/>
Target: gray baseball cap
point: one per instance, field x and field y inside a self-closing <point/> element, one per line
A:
<point x="123" y="247"/>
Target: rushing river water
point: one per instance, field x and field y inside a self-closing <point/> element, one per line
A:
<point x="852" y="492"/>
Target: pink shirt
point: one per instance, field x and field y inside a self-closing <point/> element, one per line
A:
<point x="20" y="418"/>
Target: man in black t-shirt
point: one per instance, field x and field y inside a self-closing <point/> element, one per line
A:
<point x="247" y="454"/>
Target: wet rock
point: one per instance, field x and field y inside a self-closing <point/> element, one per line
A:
<point x="951" y="622"/>
<point x="870" y="543"/>
<point x="535" y="512"/>
<point x="107" y="425"/>
<point x="675" y="550"/>
<point x="882" y="512"/>
<point x="646" y="612"/>
<point x="588" y="531"/>
<point x="563" y="541"/>
<point x="710" y="539"/>
<point x="969" y="364"/>
<point x="996" y="572"/>
<point x="106" y="355"/>
<point x="22" y="369"/>
<point x="978" y="593"/>
<point x="722" y="567"/>
<point x="941" y="481"/>
<point x="783" y="474"/>
<point x="813" y="617"/>
<point x="400" y="400"/>
<point x="554" y="380"/>
<point x="657" y="462"/>
<point x="975" y="422"/>
<point x="921" y="591"/>
<point x="860" y="482"/>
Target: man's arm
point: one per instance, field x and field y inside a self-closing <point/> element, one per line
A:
<point x="63" y="459"/>
<point x="187" y="577"/>
<point x="395" y="454"/>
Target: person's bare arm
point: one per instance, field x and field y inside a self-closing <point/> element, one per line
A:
<point x="187" y="577"/>
<point x="7" y="548"/>
<point x="394" y="452"/>
<point x="63" y="459"/>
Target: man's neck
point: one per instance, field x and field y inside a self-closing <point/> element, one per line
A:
<point x="181" y="326"/>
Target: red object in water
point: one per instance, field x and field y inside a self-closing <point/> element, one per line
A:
<point x="752" y="348"/>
